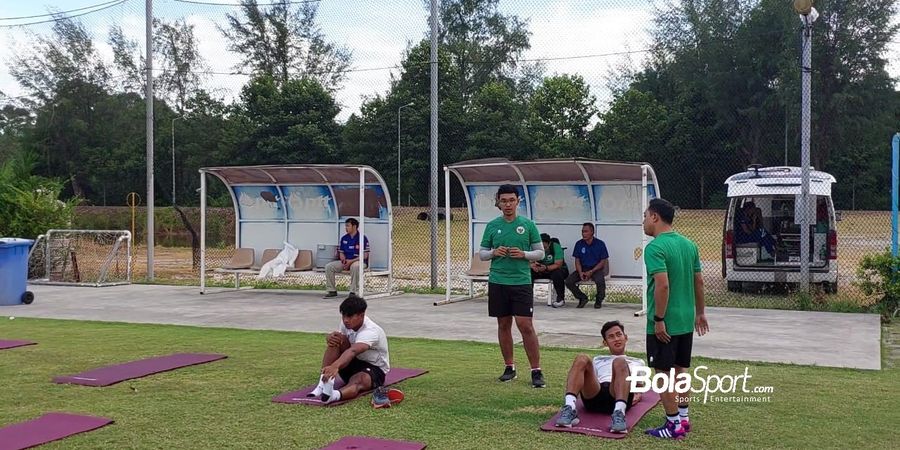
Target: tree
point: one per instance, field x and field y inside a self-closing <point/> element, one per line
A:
<point x="291" y="122"/>
<point x="55" y="64"/>
<point x="181" y="64"/>
<point x="285" y="42"/>
<point x="483" y="44"/>
<point x="558" y="115"/>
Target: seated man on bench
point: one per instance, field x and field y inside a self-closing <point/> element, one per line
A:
<point x="552" y="267"/>
<point x="591" y="264"/>
<point x="358" y="353"/>
<point x="349" y="259"/>
<point x="602" y="383"/>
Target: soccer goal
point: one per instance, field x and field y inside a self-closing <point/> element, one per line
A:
<point x="81" y="257"/>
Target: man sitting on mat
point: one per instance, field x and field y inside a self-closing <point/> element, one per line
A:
<point x="603" y="382"/>
<point x="358" y="353"/>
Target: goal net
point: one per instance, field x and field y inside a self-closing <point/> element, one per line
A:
<point x="81" y="257"/>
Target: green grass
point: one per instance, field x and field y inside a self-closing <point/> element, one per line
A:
<point x="459" y="404"/>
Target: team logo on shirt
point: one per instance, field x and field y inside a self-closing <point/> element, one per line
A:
<point x="520" y="229"/>
<point x="583" y="250"/>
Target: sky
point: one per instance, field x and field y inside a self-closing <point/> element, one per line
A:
<point x="584" y="37"/>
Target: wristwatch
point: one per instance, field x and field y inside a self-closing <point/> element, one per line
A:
<point x="658" y="319"/>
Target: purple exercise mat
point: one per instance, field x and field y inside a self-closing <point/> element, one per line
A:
<point x="106" y="376"/>
<point x="597" y="424"/>
<point x="367" y="443"/>
<point x="13" y="344"/>
<point x="396" y="375"/>
<point x="47" y="428"/>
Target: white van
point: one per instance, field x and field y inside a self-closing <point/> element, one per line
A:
<point x="761" y="234"/>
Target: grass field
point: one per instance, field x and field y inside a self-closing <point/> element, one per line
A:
<point x="458" y="405"/>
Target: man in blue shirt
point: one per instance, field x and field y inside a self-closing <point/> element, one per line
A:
<point x="591" y="263"/>
<point x="349" y="259"/>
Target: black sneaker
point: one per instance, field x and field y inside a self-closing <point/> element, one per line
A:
<point x="537" y="379"/>
<point x="598" y="304"/>
<point x="331" y="294"/>
<point x="509" y="374"/>
<point x="582" y="302"/>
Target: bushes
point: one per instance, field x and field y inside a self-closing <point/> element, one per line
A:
<point x="30" y="205"/>
<point x="877" y="276"/>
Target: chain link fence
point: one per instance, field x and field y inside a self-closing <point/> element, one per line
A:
<point x="700" y="90"/>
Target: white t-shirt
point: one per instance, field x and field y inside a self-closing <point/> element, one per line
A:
<point x="372" y="334"/>
<point x="603" y="366"/>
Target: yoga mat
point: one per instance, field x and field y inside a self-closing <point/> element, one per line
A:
<point x="597" y="424"/>
<point x="47" y="428"/>
<point x="396" y="375"/>
<point x="367" y="443"/>
<point x="106" y="376"/>
<point x="13" y="344"/>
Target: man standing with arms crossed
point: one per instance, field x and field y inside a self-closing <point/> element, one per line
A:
<point x="675" y="307"/>
<point x="509" y="243"/>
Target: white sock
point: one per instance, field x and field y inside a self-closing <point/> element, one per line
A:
<point x="683" y="413"/>
<point x="335" y="396"/>
<point x="318" y="390"/>
<point x="570" y="400"/>
<point x="674" y="419"/>
<point x="620" y="405"/>
<point x="328" y="388"/>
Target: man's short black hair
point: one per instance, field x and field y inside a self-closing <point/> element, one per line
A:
<point x="507" y="189"/>
<point x="545" y="237"/>
<point x="610" y="324"/>
<point x="589" y="225"/>
<point x="353" y="305"/>
<point x="353" y="222"/>
<point x="662" y="208"/>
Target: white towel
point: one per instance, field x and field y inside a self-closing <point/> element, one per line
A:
<point x="279" y="265"/>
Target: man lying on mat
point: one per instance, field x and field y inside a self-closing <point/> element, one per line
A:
<point x="358" y="353"/>
<point x="603" y="382"/>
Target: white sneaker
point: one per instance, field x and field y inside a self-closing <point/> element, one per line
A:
<point x="559" y="303"/>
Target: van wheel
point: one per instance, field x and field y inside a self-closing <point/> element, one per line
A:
<point x="734" y="286"/>
<point x="829" y="288"/>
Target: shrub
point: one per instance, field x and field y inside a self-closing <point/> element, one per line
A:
<point x="30" y="205"/>
<point x="877" y="275"/>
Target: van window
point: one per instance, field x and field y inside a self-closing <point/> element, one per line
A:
<point x="766" y="232"/>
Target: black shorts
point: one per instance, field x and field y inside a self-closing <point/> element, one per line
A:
<point x="676" y="353"/>
<point x="604" y="402"/>
<point x="510" y="300"/>
<point x="356" y="366"/>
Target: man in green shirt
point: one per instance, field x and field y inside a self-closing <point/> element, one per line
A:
<point x="675" y="307"/>
<point x="552" y="267"/>
<point x="509" y="243"/>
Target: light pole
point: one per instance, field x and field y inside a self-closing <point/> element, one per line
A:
<point x="398" y="149"/>
<point x="808" y="15"/>
<point x="173" y="157"/>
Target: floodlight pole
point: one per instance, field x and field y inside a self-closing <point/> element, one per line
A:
<point x="149" y="98"/>
<point x="434" y="144"/>
<point x="806" y="67"/>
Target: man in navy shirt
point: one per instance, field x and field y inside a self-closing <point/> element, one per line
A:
<point x="349" y="259"/>
<point x="591" y="263"/>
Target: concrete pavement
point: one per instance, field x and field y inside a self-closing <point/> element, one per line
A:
<point x="797" y="337"/>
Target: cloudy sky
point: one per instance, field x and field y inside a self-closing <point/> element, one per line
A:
<point x="576" y="36"/>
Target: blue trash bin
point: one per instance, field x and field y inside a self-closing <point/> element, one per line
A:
<point x="14" y="271"/>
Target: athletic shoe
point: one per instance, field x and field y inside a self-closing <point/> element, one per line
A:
<point x="618" y="423"/>
<point x="686" y="425"/>
<point x="582" y="302"/>
<point x="568" y="417"/>
<point x="598" y="304"/>
<point x="330" y="294"/>
<point x="509" y="374"/>
<point x="537" y="379"/>
<point x="380" y="398"/>
<point x="559" y="303"/>
<point x="667" y="431"/>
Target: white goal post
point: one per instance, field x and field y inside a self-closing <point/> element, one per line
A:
<point x="81" y="257"/>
